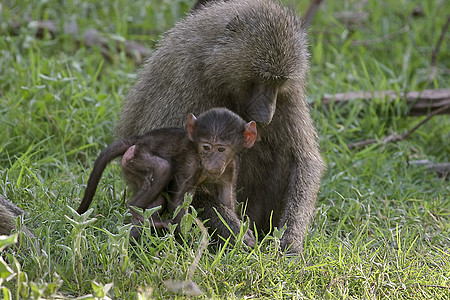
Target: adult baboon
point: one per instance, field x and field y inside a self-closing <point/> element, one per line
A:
<point x="249" y="56"/>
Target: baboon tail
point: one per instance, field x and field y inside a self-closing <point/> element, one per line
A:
<point x="114" y="150"/>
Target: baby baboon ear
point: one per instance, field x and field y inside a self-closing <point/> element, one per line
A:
<point x="190" y="126"/>
<point x="250" y="134"/>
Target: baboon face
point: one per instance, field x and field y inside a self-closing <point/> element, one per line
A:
<point x="219" y="135"/>
<point x="215" y="157"/>
<point x="252" y="64"/>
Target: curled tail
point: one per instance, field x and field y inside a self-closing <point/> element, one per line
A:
<point x="114" y="150"/>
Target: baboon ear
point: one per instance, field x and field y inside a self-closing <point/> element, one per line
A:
<point x="250" y="134"/>
<point x="190" y="126"/>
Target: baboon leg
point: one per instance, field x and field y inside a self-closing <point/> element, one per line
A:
<point x="158" y="175"/>
<point x="149" y="195"/>
<point x="211" y="208"/>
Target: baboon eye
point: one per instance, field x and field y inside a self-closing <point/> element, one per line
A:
<point x="221" y="149"/>
<point x="206" y="147"/>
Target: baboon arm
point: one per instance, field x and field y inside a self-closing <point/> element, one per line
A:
<point x="185" y="183"/>
<point x="211" y="208"/>
<point x="300" y="200"/>
<point x="226" y="195"/>
<point x="227" y="186"/>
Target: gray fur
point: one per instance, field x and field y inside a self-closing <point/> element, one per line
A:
<point x="210" y="59"/>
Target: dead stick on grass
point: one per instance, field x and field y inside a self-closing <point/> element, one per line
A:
<point x="419" y="102"/>
<point x="394" y="137"/>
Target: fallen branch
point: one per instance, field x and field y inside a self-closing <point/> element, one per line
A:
<point x="395" y="137"/>
<point x="442" y="169"/>
<point x="420" y="103"/>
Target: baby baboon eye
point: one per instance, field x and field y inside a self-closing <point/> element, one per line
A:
<point x="206" y="147"/>
<point x="221" y="149"/>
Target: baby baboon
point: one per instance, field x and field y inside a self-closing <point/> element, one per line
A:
<point x="249" y="56"/>
<point x="200" y="158"/>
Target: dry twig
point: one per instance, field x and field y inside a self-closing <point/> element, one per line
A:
<point x="442" y="169"/>
<point x="420" y="103"/>
<point x="394" y="137"/>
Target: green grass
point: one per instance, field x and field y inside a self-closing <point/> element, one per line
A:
<point x="382" y="226"/>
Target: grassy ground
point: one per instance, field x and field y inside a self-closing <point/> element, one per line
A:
<point x="382" y="226"/>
